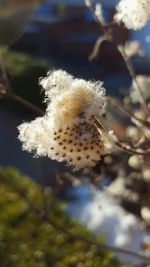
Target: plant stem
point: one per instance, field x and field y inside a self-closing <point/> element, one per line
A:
<point x="25" y="103"/>
<point x="4" y="77"/>
<point x="126" y="111"/>
<point x="125" y="148"/>
<point x="102" y="27"/>
<point x="133" y="75"/>
<point x="129" y="65"/>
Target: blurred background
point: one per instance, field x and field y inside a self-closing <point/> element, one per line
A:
<point x="38" y="36"/>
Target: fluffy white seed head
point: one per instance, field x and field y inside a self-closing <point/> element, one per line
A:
<point x="67" y="131"/>
<point x="72" y="100"/>
<point x="134" y="14"/>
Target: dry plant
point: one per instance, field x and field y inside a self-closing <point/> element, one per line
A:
<point x="74" y="128"/>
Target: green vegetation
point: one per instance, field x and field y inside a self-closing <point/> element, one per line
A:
<point x="35" y="231"/>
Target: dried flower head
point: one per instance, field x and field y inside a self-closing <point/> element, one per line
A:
<point x="67" y="131"/>
<point x="134" y="14"/>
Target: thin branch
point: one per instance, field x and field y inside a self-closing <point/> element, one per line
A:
<point x="25" y="103"/>
<point x="129" y="65"/>
<point x="126" y="111"/>
<point x="102" y="27"/>
<point x="133" y="75"/>
<point x="5" y="91"/>
<point x="96" y="47"/>
<point x="102" y="246"/>
<point x="4" y="77"/>
<point x="129" y="150"/>
<point x="123" y="147"/>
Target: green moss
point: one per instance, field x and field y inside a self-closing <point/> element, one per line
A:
<point x="35" y="231"/>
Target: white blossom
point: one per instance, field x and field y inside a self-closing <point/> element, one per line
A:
<point x="146" y="173"/>
<point x="145" y="213"/>
<point x="144" y="83"/>
<point x="67" y="131"/>
<point x="134" y="162"/>
<point x="131" y="48"/>
<point x="88" y="3"/>
<point x="134" y="14"/>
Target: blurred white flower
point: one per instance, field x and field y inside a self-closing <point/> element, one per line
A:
<point x="134" y="14"/>
<point x="134" y="162"/>
<point x="88" y="3"/>
<point x="117" y="187"/>
<point x="146" y="173"/>
<point x="144" y="83"/>
<point x="145" y="213"/>
<point x="67" y="131"/>
<point x="131" y="48"/>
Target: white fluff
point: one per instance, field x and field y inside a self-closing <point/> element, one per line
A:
<point x="133" y="13"/>
<point x="67" y="131"/>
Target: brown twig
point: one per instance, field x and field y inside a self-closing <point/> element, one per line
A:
<point x="126" y="111"/>
<point x="25" y="103"/>
<point x="108" y="37"/>
<point x="123" y="147"/>
<point x="133" y="75"/>
<point x="96" y="47"/>
<point x="6" y="92"/>
<point x="4" y="81"/>
<point x="102" y="27"/>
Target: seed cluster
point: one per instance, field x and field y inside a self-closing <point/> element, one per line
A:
<point x="80" y="144"/>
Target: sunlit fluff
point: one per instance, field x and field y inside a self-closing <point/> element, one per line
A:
<point x="133" y="13"/>
<point x="67" y="132"/>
